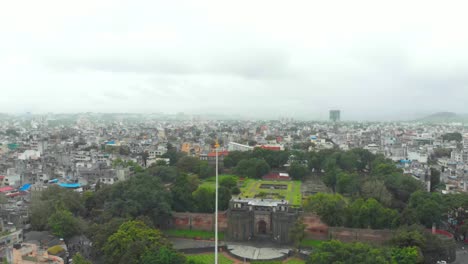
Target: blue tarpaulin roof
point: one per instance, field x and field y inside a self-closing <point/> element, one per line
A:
<point x="69" y="185"/>
<point x="25" y="187"/>
<point x="53" y="181"/>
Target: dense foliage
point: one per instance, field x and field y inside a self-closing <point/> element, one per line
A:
<point x="452" y="137"/>
<point x="367" y="191"/>
<point x="338" y="252"/>
<point x="135" y="242"/>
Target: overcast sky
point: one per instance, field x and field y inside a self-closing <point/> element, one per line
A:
<point x="371" y="59"/>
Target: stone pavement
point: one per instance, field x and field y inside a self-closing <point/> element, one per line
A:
<point x="184" y="243"/>
<point x="257" y="253"/>
<point x="242" y="250"/>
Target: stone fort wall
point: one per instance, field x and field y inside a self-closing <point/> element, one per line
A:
<point x="198" y="221"/>
<point x="315" y="228"/>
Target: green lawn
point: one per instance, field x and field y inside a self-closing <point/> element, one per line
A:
<point x="289" y="261"/>
<point x="207" y="235"/>
<point x="295" y="261"/>
<point x="211" y="182"/>
<point x="311" y="243"/>
<point x="251" y="188"/>
<point x="209" y="259"/>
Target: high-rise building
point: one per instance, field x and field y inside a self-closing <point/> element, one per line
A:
<point x="335" y="115"/>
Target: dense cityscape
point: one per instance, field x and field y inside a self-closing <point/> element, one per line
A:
<point x="134" y="188"/>
<point x="233" y="132"/>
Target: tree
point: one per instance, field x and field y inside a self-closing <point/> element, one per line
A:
<point x="452" y="137"/>
<point x="442" y="152"/>
<point x="235" y="190"/>
<point x="297" y="232"/>
<point x="347" y="183"/>
<point x="409" y="236"/>
<point x="407" y="255"/>
<point x="431" y="246"/>
<point x="132" y="241"/>
<point x="252" y="168"/>
<point x="184" y="186"/>
<point x="140" y="195"/>
<point x="204" y="198"/>
<point x="330" y="177"/>
<point x="172" y="154"/>
<point x="46" y="202"/>
<point x="11" y="132"/>
<point x="228" y="182"/>
<point x="330" y="207"/>
<point x="234" y="158"/>
<point x="224" y="196"/>
<point x="435" y="179"/>
<point x="428" y="207"/>
<point x="252" y="143"/>
<point x="205" y="170"/>
<point x="349" y="253"/>
<point x="163" y="255"/>
<point x="370" y="214"/>
<point x="164" y="173"/>
<point x="297" y="171"/>
<point x="63" y="224"/>
<point x="124" y="150"/>
<point x="376" y="189"/>
<point x="161" y="163"/>
<point x="79" y="259"/>
<point x="463" y="229"/>
<point x="188" y="164"/>
<point x="98" y="233"/>
<point x="40" y="212"/>
<point x="348" y="161"/>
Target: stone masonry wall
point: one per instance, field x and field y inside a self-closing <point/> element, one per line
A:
<point x="360" y="235"/>
<point x="198" y="221"/>
<point x="315" y="228"/>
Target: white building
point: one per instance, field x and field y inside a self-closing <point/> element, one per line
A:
<point x="233" y="146"/>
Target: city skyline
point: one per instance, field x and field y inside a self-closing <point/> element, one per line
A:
<point x="373" y="61"/>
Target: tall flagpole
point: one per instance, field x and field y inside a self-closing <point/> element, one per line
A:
<point x="216" y="205"/>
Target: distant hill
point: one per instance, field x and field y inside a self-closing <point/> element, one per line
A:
<point x="441" y="117"/>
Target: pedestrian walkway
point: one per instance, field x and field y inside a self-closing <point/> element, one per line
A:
<point x="257" y="253"/>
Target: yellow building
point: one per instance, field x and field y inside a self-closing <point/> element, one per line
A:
<point x="186" y="147"/>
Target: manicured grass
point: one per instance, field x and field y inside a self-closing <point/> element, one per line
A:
<point x="211" y="182"/>
<point x="221" y="176"/>
<point x="311" y="243"/>
<point x="251" y="188"/>
<point x="206" y="235"/>
<point x="289" y="261"/>
<point x="209" y="259"/>
<point x="294" y="261"/>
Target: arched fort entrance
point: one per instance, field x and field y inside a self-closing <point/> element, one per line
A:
<point x="262" y="227"/>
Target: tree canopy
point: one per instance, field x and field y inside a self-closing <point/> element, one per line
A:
<point x="134" y="241"/>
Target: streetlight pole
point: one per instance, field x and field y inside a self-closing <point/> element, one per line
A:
<point x="216" y="205"/>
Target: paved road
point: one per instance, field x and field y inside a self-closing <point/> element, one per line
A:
<point x="182" y="243"/>
<point x="462" y="254"/>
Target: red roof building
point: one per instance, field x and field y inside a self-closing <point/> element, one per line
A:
<point x="211" y="157"/>
<point x="6" y="189"/>
<point x="220" y="153"/>
<point x="277" y="176"/>
<point x="274" y="148"/>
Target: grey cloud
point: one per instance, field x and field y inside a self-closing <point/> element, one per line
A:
<point x="248" y="64"/>
<point x="123" y="65"/>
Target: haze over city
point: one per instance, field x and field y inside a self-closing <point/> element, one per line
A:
<point x="260" y="59"/>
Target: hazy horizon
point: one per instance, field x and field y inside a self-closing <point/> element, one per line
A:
<point x="372" y="60"/>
